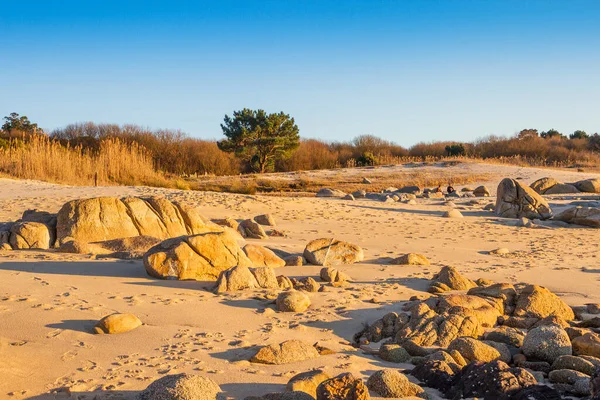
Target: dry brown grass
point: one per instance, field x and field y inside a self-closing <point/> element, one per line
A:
<point x="114" y="163"/>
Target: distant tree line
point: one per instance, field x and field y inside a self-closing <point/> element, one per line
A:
<point x="255" y="141"/>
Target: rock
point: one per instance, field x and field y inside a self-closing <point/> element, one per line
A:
<point x="75" y="247"/>
<point x="265" y="219"/>
<point x="198" y="257"/>
<point x="5" y="247"/>
<point x="589" y="185"/>
<point x="409" y="189"/>
<point x="574" y="363"/>
<point x="105" y="218"/>
<point x="474" y="350"/>
<point x="562" y="188"/>
<point x="546" y="343"/>
<point x="181" y="387"/>
<point x="538" y="302"/>
<point x="486" y="311"/>
<point x="31" y="235"/>
<point x="449" y="279"/>
<point x="452" y="214"/>
<point x="587" y="345"/>
<point x="343" y="387"/>
<point x="481" y="191"/>
<point x="335" y="276"/>
<point x="390" y="383"/>
<point x="514" y="200"/>
<point x="294" y="261"/>
<point x="503" y="349"/>
<point x="543" y="184"/>
<point x="284" y="353"/>
<point x="385" y="327"/>
<point x="493" y="380"/>
<point x="227" y="222"/>
<point x="307" y="284"/>
<point x="436" y="374"/>
<point x="251" y="229"/>
<point x="359" y="194"/>
<point x="366" y="181"/>
<point x="332" y="252"/>
<point x="43" y="217"/>
<point x="117" y="323"/>
<point x="262" y="257"/>
<point x="393" y="353"/>
<point x="536" y="392"/>
<point x="325" y="192"/>
<point x="551" y="320"/>
<point x="307" y="382"/>
<point x="568" y="376"/>
<point x="292" y="301"/>
<point x="348" y="197"/>
<point x="242" y="277"/>
<point x="586" y="216"/>
<point x="506" y="335"/>
<point x="295" y="395"/>
<point x="411" y="259"/>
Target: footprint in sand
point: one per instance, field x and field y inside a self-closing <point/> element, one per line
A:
<point x="69" y="355"/>
<point x="54" y="333"/>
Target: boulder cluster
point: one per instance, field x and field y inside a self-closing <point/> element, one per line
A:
<point x="492" y="340"/>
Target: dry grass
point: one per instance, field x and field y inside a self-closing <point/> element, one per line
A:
<point x="114" y="163"/>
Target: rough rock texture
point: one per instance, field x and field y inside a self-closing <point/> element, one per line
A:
<point x="329" y="251"/>
<point x="474" y="350"/>
<point x="265" y="219"/>
<point x="242" y="277"/>
<point x="543" y="184"/>
<point x="562" y="188"/>
<point x="294" y="261"/>
<point x="262" y="257"/>
<point x="31" y="235"/>
<point x="587" y="216"/>
<point x="452" y="214"/>
<point x="393" y="353"/>
<point x="506" y="335"/>
<point x="536" y="392"/>
<point x="307" y="382"/>
<point x="75" y="247"/>
<point x="546" y="343"/>
<point x="493" y="380"/>
<point x="117" y="323"/>
<point x="589" y="185"/>
<point x="284" y="353"/>
<point x="251" y="229"/>
<point x="343" y="387"/>
<point x="334" y="276"/>
<point x="538" y="302"/>
<point x="325" y="192"/>
<point x="436" y="374"/>
<point x="449" y="279"/>
<point x="514" y="200"/>
<point x="292" y="301"/>
<point x="411" y="259"/>
<point x="105" y="218"/>
<point x="574" y="363"/>
<point x="587" y="345"/>
<point x="390" y="383"/>
<point x="481" y="191"/>
<point x="181" y="387"/>
<point x="486" y="311"/>
<point x="198" y="257"/>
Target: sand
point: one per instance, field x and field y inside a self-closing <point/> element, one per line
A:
<point x="49" y="301"/>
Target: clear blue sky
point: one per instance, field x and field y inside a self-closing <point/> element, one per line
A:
<point x="407" y="71"/>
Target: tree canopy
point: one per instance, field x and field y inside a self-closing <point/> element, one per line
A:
<point x="578" y="134"/>
<point x="16" y="124"/>
<point x="259" y="138"/>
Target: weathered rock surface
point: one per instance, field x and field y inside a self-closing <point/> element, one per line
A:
<point x="329" y="251"/>
<point x="343" y="387"/>
<point x="514" y="200"/>
<point x="587" y="345"/>
<point x="574" y="363"/>
<point x="334" y="276"/>
<point x="198" y="257"/>
<point x="31" y="235"/>
<point x="453" y="213"/>
<point x="117" y="323"/>
<point x="292" y="301"/>
<point x="307" y="382"/>
<point x="562" y="188"/>
<point x="450" y="279"/>
<point x="105" y="218"/>
<point x="390" y="383"/>
<point x="411" y="259"/>
<point x="262" y="257"/>
<point x="538" y="302"/>
<point x="543" y="184"/>
<point x="181" y="387"/>
<point x="265" y="219"/>
<point x="587" y="216"/>
<point x="326" y="192"/>
<point x="242" y="277"/>
<point x="481" y="191"/>
<point x="284" y="353"/>
<point x="251" y="229"/>
<point x="393" y="353"/>
<point x="546" y="343"/>
<point x="589" y="185"/>
<point x="474" y="350"/>
<point x="436" y="374"/>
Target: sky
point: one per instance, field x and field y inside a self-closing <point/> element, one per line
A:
<point x="406" y="71"/>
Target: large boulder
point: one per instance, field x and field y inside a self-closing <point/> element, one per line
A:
<point x="251" y="229"/>
<point x="328" y="251"/>
<point x="292" y="301"/>
<point x="546" y="343"/>
<point x="390" y="383"/>
<point x="117" y="323"/>
<point x="31" y="235"/>
<point x="260" y="256"/>
<point x="589" y="185"/>
<point x="411" y="259"/>
<point x="284" y="353"/>
<point x="474" y="350"/>
<point x="538" y="302"/>
<point x="514" y="200"/>
<point x="198" y="257"/>
<point x="587" y="345"/>
<point x="486" y="311"/>
<point x="450" y="279"/>
<point x="181" y="387"/>
<point x="343" y="387"/>
<point x="481" y="191"/>
<point x="543" y="184"/>
<point x="105" y="218"/>
<point x="307" y="382"/>
<point x="587" y="216"/>
<point x="326" y="192"/>
<point x="242" y="277"/>
<point x="562" y="188"/>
